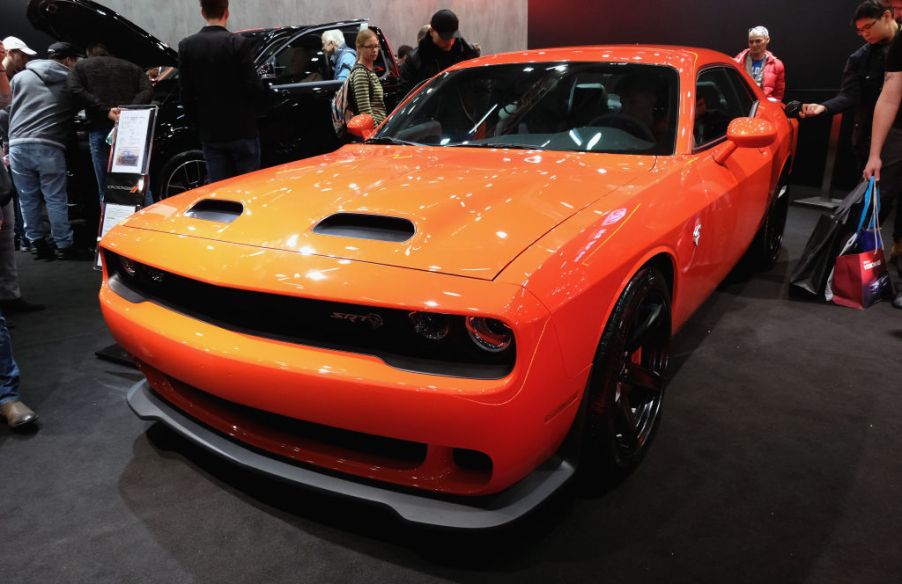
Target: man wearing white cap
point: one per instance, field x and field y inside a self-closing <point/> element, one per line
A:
<point x="17" y="55"/>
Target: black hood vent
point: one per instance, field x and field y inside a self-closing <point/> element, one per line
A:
<point x="375" y="227"/>
<point x="216" y="210"/>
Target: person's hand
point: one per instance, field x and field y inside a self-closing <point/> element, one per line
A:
<point x="810" y="110"/>
<point x="113" y="114"/>
<point x="872" y="168"/>
<point x="2" y="51"/>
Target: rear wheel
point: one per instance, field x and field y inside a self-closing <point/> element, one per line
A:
<point x="626" y="387"/>
<point x="182" y="172"/>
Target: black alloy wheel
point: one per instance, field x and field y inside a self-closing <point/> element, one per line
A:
<point x="183" y="172"/>
<point x="626" y="387"/>
<point x="765" y="249"/>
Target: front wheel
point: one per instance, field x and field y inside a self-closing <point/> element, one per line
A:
<point x="626" y="387"/>
<point x="765" y="249"/>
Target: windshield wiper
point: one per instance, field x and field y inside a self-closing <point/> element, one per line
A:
<point x="390" y="140"/>
<point x="512" y="145"/>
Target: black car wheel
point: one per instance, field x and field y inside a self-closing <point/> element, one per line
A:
<point x="183" y="172"/>
<point x="765" y="249"/>
<point x="626" y="387"/>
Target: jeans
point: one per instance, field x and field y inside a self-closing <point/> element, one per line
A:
<point x="228" y="159"/>
<point x="9" y="370"/>
<point x="40" y="169"/>
<point x="100" y="156"/>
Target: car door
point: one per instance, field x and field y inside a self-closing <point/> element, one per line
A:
<point x="298" y="122"/>
<point x="738" y="188"/>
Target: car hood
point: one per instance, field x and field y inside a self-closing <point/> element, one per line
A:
<point x="470" y="211"/>
<point x="83" y="22"/>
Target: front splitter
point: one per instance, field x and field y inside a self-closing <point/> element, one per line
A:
<point x="458" y="513"/>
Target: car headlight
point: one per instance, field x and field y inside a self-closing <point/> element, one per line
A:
<point x="128" y="266"/>
<point x="489" y="334"/>
<point x="431" y="325"/>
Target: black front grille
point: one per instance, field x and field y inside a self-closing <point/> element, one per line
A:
<point x="382" y="332"/>
<point x="307" y="436"/>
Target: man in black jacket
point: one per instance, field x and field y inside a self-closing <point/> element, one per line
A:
<point x="221" y="93"/>
<point x="100" y="84"/>
<point x="439" y="49"/>
<point x="863" y="75"/>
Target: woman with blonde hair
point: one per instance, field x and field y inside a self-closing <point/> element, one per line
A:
<point x="365" y="88"/>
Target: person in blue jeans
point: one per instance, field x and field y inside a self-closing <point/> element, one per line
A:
<point x="16" y="413"/>
<point x="40" y="122"/>
<point x="100" y="83"/>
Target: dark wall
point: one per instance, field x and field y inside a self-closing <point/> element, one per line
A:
<point x="14" y="23"/>
<point x="812" y="37"/>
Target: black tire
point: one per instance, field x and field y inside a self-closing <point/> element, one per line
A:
<point x="183" y="172"/>
<point x="626" y="387"/>
<point x="765" y="249"/>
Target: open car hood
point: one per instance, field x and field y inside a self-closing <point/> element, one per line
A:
<point x="83" y="22"/>
<point x="461" y="211"/>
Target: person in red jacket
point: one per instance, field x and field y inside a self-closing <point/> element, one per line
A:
<point x="762" y="65"/>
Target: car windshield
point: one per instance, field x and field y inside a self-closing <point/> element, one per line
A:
<point x="580" y="107"/>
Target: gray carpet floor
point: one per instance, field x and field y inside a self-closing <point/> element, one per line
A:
<point x="779" y="459"/>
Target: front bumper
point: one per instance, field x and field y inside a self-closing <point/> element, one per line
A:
<point x="457" y="512"/>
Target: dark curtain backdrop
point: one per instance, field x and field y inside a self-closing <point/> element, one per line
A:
<point x="812" y="37"/>
<point x="14" y="23"/>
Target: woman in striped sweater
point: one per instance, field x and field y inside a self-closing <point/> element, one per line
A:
<point x="366" y="90"/>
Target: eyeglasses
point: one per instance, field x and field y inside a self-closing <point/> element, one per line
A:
<point x="867" y="27"/>
<point x="370" y="46"/>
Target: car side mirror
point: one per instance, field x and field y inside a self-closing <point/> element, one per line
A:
<point x="746" y="133"/>
<point x="362" y="126"/>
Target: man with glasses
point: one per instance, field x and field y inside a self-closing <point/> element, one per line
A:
<point x="863" y="74"/>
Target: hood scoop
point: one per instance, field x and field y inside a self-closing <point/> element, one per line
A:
<point x="216" y="210"/>
<point x="363" y="226"/>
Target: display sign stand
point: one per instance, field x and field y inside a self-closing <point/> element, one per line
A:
<point x="126" y="184"/>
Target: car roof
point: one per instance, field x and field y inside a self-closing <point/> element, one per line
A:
<point x="681" y="58"/>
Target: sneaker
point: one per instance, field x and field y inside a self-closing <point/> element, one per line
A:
<point x="41" y="250"/>
<point x="74" y="253"/>
<point x="897" y="301"/>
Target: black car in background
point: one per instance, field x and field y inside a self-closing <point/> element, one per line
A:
<point x="296" y="123"/>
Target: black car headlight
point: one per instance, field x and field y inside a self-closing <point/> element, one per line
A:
<point x="431" y="325"/>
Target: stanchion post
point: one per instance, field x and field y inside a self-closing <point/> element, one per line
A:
<point x="824" y="200"/>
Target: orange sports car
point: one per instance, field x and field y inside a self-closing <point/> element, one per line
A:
<point x="453" y="316"/>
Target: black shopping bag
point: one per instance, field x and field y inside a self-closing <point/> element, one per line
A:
<point x="826" y="242"/>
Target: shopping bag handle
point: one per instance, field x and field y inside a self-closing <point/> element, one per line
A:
<point x="867" y="204"/>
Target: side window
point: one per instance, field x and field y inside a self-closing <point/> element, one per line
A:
<point x="744" y="95"/>
<point x="302" y="60"/>
<point x="717" y="102"/>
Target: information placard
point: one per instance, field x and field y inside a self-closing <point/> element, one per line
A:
<point x="131" y="146"/>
